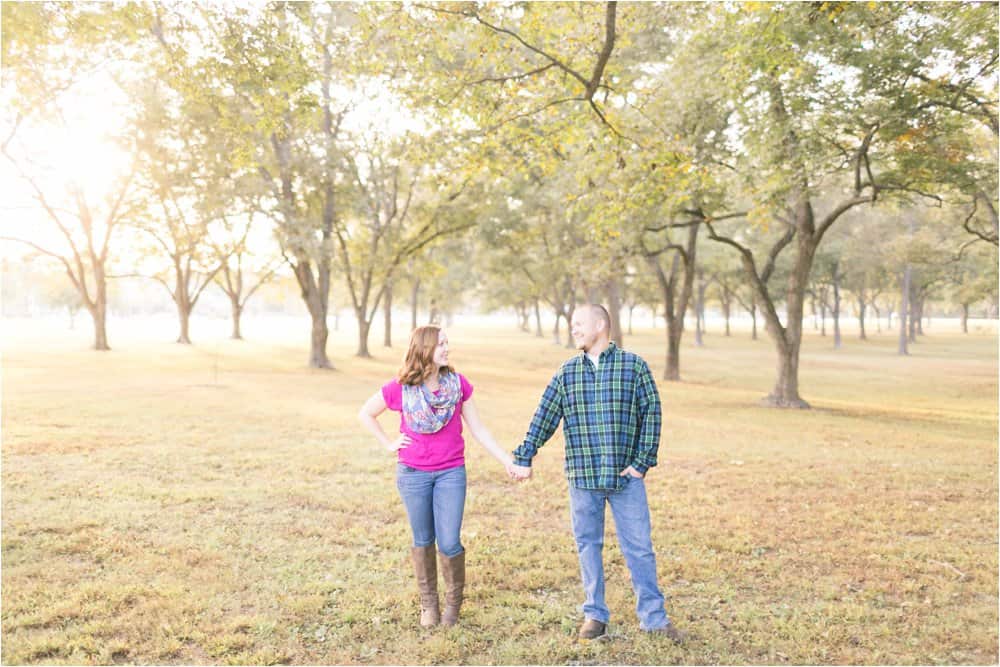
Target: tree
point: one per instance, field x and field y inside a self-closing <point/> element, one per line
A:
<point x="243" y="270"/>
<point x="403" y="203"/>
<point x="973" y="280"/>
<point x="640" y="290"/>
<point x="54" y="55"/>
<point x="945" y="55"/>
<point x="862" y="135"/>
<point x="176" y="217"/>
<point x="864" y="256"/>
<point x="803" y="129"/>
<point x="273" y="82"/>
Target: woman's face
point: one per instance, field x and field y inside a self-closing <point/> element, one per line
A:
<point x="441" y="351"/>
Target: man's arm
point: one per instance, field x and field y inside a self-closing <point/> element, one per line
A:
<point x="543" y="424"/>
<point x="650" y="420"/>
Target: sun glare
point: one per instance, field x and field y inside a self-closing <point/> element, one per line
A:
<point x="57" y="157"/>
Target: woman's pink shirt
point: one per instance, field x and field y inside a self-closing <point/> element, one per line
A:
<point x="430" y="451"/>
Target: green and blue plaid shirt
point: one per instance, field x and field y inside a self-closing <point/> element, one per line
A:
<point x="611" y="419"/>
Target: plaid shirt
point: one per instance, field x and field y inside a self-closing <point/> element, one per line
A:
<point x="611" y="419"/>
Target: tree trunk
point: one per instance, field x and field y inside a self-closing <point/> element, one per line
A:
<point x="184" y="306"/>
<point x="570" y="343"/>
<point x="556" y="337"/>
<point x="822" y="312"/>
<point x="697" y="325"/>
<point x="726" y="304"/>
<point x="185" y="319"/>
<point x="674" y="332"/>
<point x="862" y="306"/>
<point x="836" y="307"/>
<point x="387" y="316"/>
<point x="613" y="289"/>
<point x="99" y="315"/>
<point x="965" y="318"/>
<point x="788" y="339"/>
<point x="317" y="306"/>
<point x="753" y="318"/>
<point x="631" y="312"/>
<point x="538" y="320"/>
<point x="786" y="389"/>
<point x="364" y="328"/>
<point x="237" y="314"/>
<point x="699" y="309"/>
<point x="918" y="320"/>
<point x="414" y="301"/>
<point x="676" y="305"/>
<point x="99" y="312"/>
<point x="904" y="306"/>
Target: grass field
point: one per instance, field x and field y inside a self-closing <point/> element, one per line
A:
<point x="219" y="503"/>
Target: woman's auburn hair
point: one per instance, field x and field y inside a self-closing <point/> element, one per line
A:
<point x="418" y="364"/>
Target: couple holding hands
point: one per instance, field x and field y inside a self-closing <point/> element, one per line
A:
<point x="610" y="409"/>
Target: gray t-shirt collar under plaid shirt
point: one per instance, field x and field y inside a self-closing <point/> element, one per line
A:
<point x="611" y="419"/>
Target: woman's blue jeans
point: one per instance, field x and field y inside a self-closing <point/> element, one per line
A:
<point x="631" y="512"/>
<point x="435" y="503"/>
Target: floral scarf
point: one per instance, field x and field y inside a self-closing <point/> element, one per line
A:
<point x="426" y="413"/>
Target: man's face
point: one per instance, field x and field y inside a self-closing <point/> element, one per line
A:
<point x="441" y="351"/>
<point x="583" y="328"/>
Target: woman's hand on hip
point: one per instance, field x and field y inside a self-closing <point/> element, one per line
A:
<point x="402" y="442"/>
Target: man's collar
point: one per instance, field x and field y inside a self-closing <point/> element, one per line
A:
<point x="608" y="350"/>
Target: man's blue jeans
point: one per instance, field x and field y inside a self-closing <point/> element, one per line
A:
<point x="631" y="513"/>
<point x="435" y="503"/>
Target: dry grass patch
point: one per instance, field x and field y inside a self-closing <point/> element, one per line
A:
<point x="219" y="504"/>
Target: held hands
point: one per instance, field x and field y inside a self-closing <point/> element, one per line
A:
<point x="516" y="472"/>
<point x="402" y="442"/>
<point x="630" y="472"/>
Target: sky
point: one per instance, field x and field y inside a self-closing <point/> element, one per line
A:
<point x="82" y="150"/>
<point x="58" y="155"/>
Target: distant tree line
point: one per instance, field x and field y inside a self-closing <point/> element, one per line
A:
<point x="789" y="160"/>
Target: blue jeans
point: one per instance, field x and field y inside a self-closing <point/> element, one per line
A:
<point x="631" y="512"/>
<point x="435" y="503"/>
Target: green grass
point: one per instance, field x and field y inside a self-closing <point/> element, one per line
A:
<point x="219" y="503"/>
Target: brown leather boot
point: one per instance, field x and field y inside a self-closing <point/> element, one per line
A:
<point x="426" y="568"/>
<point x="453" y="573"/>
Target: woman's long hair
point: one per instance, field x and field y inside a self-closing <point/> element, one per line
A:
<point x="418" y="364"/>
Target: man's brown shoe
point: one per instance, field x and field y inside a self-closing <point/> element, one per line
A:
<point x="671" y="633"/>
<point x="592" y="629"/>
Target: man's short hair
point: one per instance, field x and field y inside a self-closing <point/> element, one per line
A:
<point x="601" y="313"/>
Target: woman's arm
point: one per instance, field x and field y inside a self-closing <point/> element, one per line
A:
<point x="483" y="435"/>
<point x="372" y="408"/>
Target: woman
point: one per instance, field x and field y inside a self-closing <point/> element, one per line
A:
<point x="430" y="473"/>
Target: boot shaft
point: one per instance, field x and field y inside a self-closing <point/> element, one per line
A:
<point x="453" y="573"/>
<point x="425" y="568"/>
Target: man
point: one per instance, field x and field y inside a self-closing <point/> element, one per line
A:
<point x="611" y="411"/>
